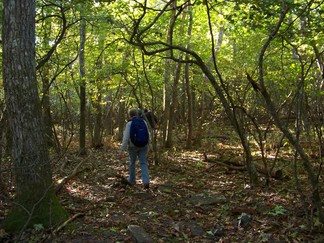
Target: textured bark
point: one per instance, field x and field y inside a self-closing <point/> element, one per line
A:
<point x="35" y="200"/>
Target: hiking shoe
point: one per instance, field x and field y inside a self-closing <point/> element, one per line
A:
<point x="125" y="182"/>
<point x="146" y="186"/>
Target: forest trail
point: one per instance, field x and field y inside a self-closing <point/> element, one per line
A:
<point x="188" y="201"/>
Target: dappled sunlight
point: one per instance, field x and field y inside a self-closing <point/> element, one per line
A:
<point x="192" y="192"/>
<point x="187" y="194"/>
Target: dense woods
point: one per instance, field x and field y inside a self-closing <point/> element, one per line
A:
<point x="245" y="74"/>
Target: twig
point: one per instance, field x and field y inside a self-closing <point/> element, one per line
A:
<point x="66" y="178"/>
<point x="67" y="221"/>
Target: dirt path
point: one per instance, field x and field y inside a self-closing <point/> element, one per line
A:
<point x="188" y="201"/>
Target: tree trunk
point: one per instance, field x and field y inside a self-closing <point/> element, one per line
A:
<point x="172" y="107"/>
<point x="82" y="135"/>
<point x="228" y="103"/>
<point x="166" y="103"/>
<point x="166" y="126"/>
<point x="313" y="179"/>
<point x="190" y="109"/>
<point x="35" y="198"/>
<point x="97" y="130"/>
<point x="219" y="87"/>
<point x="97" y="103"/>
<point x="154" y="128"/>
<point x="46" y="105"/>
<point x="188" y="89"/>
<point x="121" y="120"/>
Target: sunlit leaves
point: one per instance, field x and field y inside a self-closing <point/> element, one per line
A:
<point x="245" y="25"/>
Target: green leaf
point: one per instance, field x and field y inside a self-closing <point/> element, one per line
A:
<point x="38" y="227"/>
<point x="278" y="210"/>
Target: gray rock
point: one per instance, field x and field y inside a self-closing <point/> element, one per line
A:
<point x="204" y="199"/>
<point x="195" y="229"/>
<point x="165" y="188"/>
<point x="111" y="236"/>
<point x="218" y="232"/>
<point x="139" y="234"/>
<point x="245" y="219"/>
<point x="143" y="195"/>
<point x="264" y="237"/>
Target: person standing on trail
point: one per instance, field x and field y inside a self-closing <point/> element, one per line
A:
<point x="151" y="118"/>
<point x="136" y="139"/>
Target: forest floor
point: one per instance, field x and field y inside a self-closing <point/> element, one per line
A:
<point x="189" y="200"/>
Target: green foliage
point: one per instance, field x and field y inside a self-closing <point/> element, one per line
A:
<point x="278" y="210"/>
<point x="38" y="227"/>
<point x="117" y="70"/>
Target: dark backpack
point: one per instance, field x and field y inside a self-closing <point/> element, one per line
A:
<point x="138" y="132"/>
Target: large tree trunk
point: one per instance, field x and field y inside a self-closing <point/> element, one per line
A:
<point x="35" y="198"/>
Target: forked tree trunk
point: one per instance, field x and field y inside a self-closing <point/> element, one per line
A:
<point x="36" y="202"/>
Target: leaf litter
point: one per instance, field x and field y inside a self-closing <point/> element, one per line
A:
<point x="188" y="201"/>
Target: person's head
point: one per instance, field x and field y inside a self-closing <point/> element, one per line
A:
<point x="133" y="112"/>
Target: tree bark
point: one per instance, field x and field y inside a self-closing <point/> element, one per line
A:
<point x="46" y="105"/>
<point x="82" y="135"/>
<point x="167" y="91"/>
<point x="188" y="88"/>
<point x="97" y="130"/>
<point x="35" y="198"/>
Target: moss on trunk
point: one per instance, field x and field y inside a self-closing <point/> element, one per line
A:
<point x="47" y="212"/>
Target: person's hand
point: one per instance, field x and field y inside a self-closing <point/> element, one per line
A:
<point x="120" y="154"/>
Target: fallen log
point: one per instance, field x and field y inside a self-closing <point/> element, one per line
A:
<point x="234" y="165"/>
<point x="224" y="163"/>
<point x="276" y="174"/>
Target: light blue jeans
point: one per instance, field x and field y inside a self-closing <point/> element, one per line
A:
<point x="141" y="153"/>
